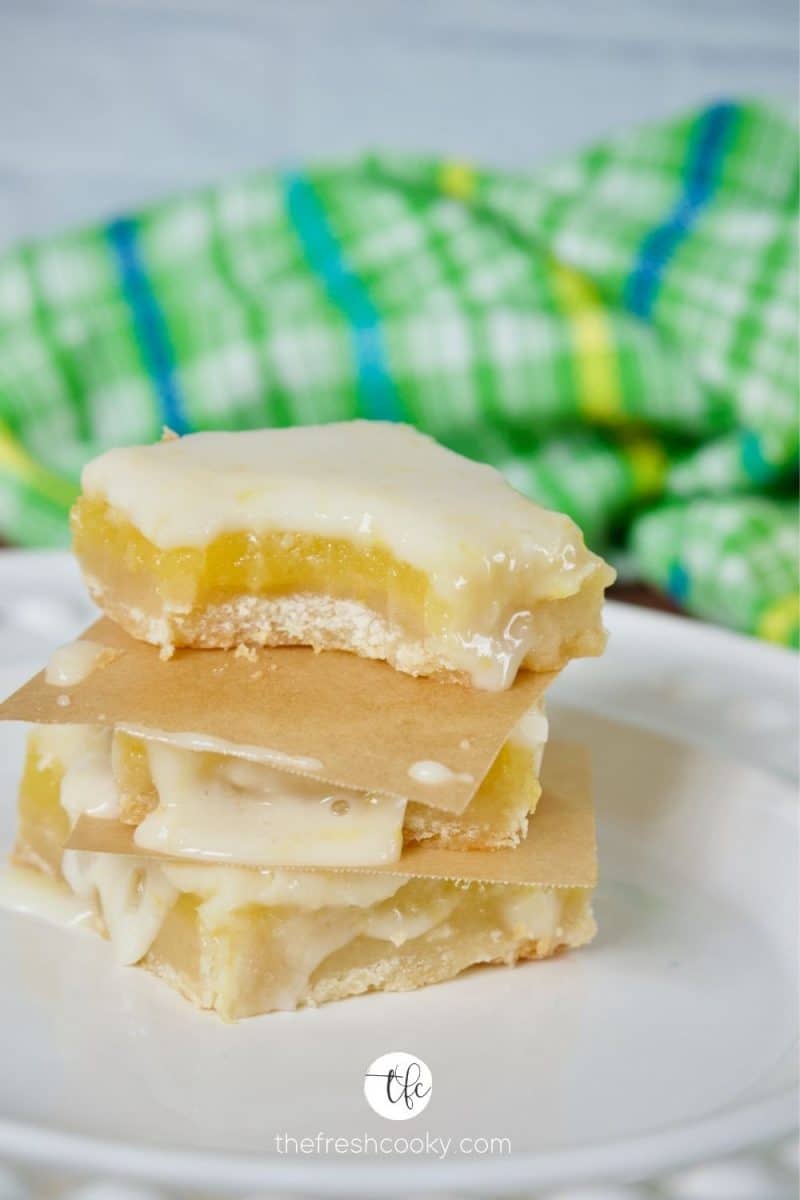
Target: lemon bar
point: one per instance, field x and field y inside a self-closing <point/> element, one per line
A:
<point x="228" y="808"/>
<point x="244" y="942"/>
<point x="359" y="536"/>
<point x="222" y="807"/>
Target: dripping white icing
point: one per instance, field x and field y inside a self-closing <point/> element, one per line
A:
<point x="434" y="773"/>
<point x="227" y="809"/>
<point x="200" y="741"/>
<point x="26" y="890"/>
<point x="71" y="664"/>
<point x="132" y="896"/>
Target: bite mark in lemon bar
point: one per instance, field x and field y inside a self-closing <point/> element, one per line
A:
<point x="360" y="536"/>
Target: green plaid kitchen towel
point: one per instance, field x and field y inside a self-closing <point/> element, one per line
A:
<point x="618" y="333"/>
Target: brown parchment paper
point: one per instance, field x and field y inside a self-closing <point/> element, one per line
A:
<point x="559" y="850"/>
<point x="365" y="722"/>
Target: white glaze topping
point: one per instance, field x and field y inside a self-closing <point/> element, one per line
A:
<point x="71" y="664"/>
<point x="26" y="890"/>
<point x="84" y="754"/>
<point x="301" y="764"/>
<point x="533" y="727"/>
<point x="532" y="731"/>
<point x="225" y="889"/>
<point x="427" y="770"/>
<point x="60" y="745"/>
<point x="132" y="896"/>
<point x="88" y="785"/>
<point x="231" y="810"/>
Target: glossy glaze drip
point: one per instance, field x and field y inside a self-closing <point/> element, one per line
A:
<point x="225" y="809"/>
<point x="71" y="664"/>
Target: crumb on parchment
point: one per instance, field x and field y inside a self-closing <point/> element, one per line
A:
<point x="247" y="652"/>
<point x="165" y="653"/>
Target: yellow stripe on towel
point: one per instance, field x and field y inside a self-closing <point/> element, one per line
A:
<point x="15" y="460"/>
<point x="595" y="360"/>
<point x="458" y="179"/>
<point x="780" y="621"/>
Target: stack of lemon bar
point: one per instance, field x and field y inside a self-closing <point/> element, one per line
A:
<point x="300" y="756"/>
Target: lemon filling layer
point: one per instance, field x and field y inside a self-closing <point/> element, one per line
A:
<point x="270" y="563"/>
<point x="293" y="588"/>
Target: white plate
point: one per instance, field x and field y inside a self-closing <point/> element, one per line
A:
<point x="671" y="1039"/>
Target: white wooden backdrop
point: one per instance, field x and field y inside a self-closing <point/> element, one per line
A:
<point x="107" y="103"/>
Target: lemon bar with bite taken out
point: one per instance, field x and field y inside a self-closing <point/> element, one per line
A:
<point x="360" y="536"/>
